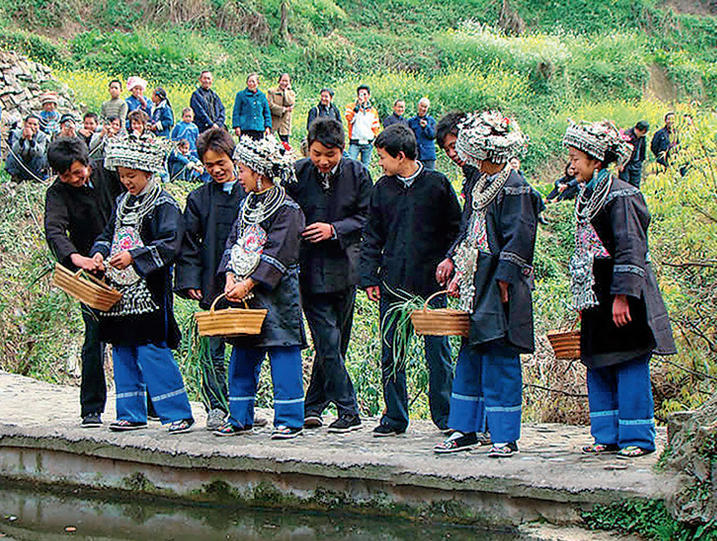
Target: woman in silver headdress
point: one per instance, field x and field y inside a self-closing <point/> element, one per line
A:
<point x="138" y="248"/>
<point x="623" y="318"/>
<point x="261" y="262"/>
<point x="493" y="277"/>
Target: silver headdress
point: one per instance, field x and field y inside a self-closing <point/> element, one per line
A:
<point x="489" y="136"/>
<point x="596" y="139"/>
<point x="268" y="157"/>
<point x="142" y="153"/>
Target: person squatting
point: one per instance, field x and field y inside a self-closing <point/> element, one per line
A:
<point x="297" y="238"/>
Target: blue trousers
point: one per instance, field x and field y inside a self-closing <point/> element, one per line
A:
<point x="244" y="368"/>
<point x="365" y="150"/>
<point x="440" y="374"/>
<point x="621" y="405"/>
<point x="487" y="392"/>
<point x="149" y="369"/>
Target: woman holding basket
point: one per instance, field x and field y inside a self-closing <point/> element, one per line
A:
<point x="623" y="318"/>
<point x="261" y="263"/>
<point x="494" y="278"/>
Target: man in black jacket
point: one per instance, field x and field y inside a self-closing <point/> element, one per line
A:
<point x="334" y="194"/>
<point x="206" y="104"/>
<point x="632" y="171"/>
<point x="324" y="109"/>
<point x="664" y="140"/>
<point x="78" y="205"/>
<point x="413" y="220"/>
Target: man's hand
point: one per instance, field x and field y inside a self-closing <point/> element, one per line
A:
<point x="195" y="294"/>
<point x="454" y="288"/>
<point x="237" y="132"/>
<point x="84" y="263"/>
<point x="621" y="311"/>
<point x="121" y="260"/>
<point x="99" y="262"/>
<point x="373" y="293"/>
<point x="318" y="232"/>
<point x="444" y="271"/>
<point x="503" y="286"/>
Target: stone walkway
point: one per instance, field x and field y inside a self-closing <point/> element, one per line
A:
<point x="549" y="467"/>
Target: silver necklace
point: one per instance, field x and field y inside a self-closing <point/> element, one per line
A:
<point x="587" y="207"/>
<point x="483" y="196"/>
<point x="256" y="212"/>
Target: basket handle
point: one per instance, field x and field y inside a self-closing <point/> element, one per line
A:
<point x="429" y="299"/>
<point x="223" y="296"/>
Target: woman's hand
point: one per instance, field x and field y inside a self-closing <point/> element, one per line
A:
<point x="241" y="290"/>
<point x="621" y="311"/>
<point x="454" y="288"/>
<point x="444" y="271"/>
<point x="121" y="260"/>
<point x="99" y="262"/>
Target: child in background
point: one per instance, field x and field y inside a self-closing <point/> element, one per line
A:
<point x="187" y="129"/>
<point x="137" y="121"/>
<point x="89" y="127"/>
<point x="115" y="106"/>
<point x="262" y="258"/>
<point x="137" y="250"/>
<point x="182" y="165"/>
<point x="49" y="117"/>
<point x="162" y="117"/>
<point x="67" y="126"/>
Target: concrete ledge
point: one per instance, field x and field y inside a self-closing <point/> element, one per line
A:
<point x="549" y="480"/>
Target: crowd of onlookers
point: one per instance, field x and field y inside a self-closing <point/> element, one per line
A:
<point x="254" y="114"/>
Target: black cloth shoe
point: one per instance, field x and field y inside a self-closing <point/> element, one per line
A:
<point x="181" y="426"/>
<point x="345" y="424"/>
<point x="282" y="432"/>
<point x="91" y="420"/>
<point x="228" y="429"/>
<point x="383" y="431"/>
<point x="122" y="426"/>
<point x="457" y="442"/>
<point x="313" y="420"/>
<point x="504" y="450"/>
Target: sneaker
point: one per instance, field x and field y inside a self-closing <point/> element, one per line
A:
<point x="458" y="441"/>
<point x="345" y="424"/>
<point x="503" y="450"/>
<point x="123" y="425"/>
<point x="260" y="420"/>
<point x="228" y="429"/>
<point x="282" y="432"/>
<point x="313" y="420"/>
<point x="383" y="431"/>
<point x="181" y="426"/>
<point x="91" y="420"/>
<point x="215" y="418"/>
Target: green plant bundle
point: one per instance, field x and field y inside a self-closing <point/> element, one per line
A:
<point x="396" y="328"/>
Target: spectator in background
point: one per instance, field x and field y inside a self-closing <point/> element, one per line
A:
<point x="111" y="127"/>
<point x="68" y="126"/>
<point x="399" y="107"/>
<point x="138" y="120"/>
<point x="424" y="127"/>
<point x="187" y="129"/>
<point x="115" y="106"/>
<point x="281" y="103"/>
<point x="251" y="115"/>
<point x="49" y="117"/>
<point x="566" y="187"/>
<point x="162" y="117"/>
<point x="208" y="108"/>
<point x="664" y="140"/>
<point x="324" y="109"/>
<point x="137" y="86"/>
<point x="89" y="127"/>
<point x="364" y="125"/>
<point x="632" y="171"/>
<point x="182" y="164"/>
<point x="26" y="159"/>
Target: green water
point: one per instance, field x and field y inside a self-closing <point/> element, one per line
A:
<point x="41" y="516"/>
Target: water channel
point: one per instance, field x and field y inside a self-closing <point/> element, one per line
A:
<point x="42" y="516"/>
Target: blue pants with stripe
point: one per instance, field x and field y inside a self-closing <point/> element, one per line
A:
<point x="244" y="368"/>
<point x="148" y="368"/>
<point x="621" y="405"/>
<point x="487" y="392"/>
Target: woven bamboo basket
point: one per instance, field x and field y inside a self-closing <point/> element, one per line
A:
<point x="85" y="288"/>
<point x="440" y="321"/>
<point x="566" y="344"/>
<point x="230" y="322"/>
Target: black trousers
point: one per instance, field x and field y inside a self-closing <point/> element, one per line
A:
<point x="93" y="390"/>
<point x="214" y="375"/>
<point x="330" y="316"/>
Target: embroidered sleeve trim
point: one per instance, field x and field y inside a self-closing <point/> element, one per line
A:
<point x="513" y="190"/>
<point x="634" y="269"/>
<point x="274" y="262"/>
<point x="155" y="255"/>
<point x="512" y="257"/>
<point x="625" y="192"/>
<point x="103" y="243"/>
